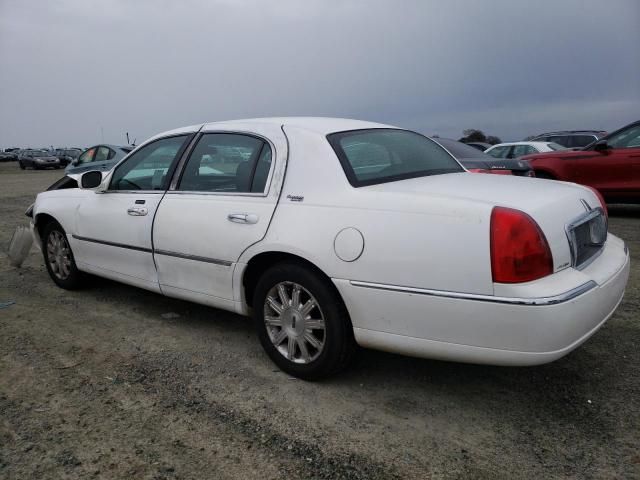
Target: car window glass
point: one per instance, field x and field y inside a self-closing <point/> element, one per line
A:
<point x="629" y="138"/>
<point x="102" y="154"/>
<point x="227" y="162"/>
<point x="519" y="150"/>
<point x="147" y="169"/>
<point x="381" y="155"/>
<point x="560" y="139"/>
<point x="87" y="156"/>
<point x="498" y="152"/>
<point x="577" y="141"/>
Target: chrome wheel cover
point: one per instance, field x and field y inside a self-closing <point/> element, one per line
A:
<point x="294" y="322"/>
<point x="59" y="255"/>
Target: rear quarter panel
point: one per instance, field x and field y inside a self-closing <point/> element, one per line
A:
<point x="433" y="242"/>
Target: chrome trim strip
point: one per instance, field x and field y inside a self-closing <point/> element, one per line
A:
<point x="196" y="258"/>
<point x="538" y="301"/>
<point x="112" y="244"/>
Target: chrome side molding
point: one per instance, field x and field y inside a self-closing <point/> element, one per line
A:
<point x="539" y="301"/>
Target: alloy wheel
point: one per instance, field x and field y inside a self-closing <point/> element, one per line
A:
<point x="294" y="322"/>
<point x="59" y="255"/>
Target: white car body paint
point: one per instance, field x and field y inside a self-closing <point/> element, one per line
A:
<point x="421" y="283"/>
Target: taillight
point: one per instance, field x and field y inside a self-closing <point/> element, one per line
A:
<point x="519" y="250"/>
<point x="487" y="170"/>
<point x="601" y="198"/>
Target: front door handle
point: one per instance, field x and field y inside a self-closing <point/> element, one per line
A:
<point x="137" y="211"/>
<point x="250" y="218"/>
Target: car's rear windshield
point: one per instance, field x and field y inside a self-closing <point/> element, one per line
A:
<point x="382" y="155"/>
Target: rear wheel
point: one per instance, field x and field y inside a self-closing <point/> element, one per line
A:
<point x="302" y="323"/>
<point x="58" y="257"/>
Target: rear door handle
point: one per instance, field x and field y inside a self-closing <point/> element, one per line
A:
<point x="137" y="211"/>
<point x="250" y="218"/>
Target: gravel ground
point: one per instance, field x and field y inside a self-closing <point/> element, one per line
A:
<point x="117" y="382"/>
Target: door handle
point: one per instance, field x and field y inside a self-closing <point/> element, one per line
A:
<point x="250" y="218"/>
<point x="137" y="211"/>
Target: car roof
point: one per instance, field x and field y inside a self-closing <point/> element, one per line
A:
<point x="321" y="125"/>
<point x="572" y="132"/>
<point x="532" y="143"/>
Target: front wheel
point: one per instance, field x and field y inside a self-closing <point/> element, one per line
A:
<point x="58" y="258"/>
<point x="302" y="323"/>
<point x="545" y="175"/>
<point x="22" y="167"/>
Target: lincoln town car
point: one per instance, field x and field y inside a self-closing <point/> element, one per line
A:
<point x="334" y="233"/>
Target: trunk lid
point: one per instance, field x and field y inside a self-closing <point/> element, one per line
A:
<point x="554" y="205"/>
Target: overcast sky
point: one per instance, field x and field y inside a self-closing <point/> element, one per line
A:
<point x="73" y="72"/>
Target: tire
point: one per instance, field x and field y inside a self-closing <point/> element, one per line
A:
<point x="59" y="259"/>
<point x="292" y="327"/>
<point x="21" y="165"/>
<point x="545" y="175"/>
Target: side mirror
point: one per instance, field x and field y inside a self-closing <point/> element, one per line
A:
<point x="75" y="162"/>
<point x="601" y="146"/>
<point x="91" y="179"/>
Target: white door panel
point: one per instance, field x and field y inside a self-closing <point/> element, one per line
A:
<point x="205" y="224"/>
<point x="197" y="226"/>
<point x="112" y="238"/>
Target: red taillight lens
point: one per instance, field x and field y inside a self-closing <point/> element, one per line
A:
<point x="601" y="198"/>
<point x="519" y="249"/>
<point x="494" y="171"/>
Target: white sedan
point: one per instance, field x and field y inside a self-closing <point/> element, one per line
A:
<point x="518" y="149"/>
<point x="334" y="233"/>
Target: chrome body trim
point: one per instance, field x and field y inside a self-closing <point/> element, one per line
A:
<point x="167" y="253"/>
<point x="112" y="244"/>
<point x="539" y="301"/>
<point x="196" y="258"/>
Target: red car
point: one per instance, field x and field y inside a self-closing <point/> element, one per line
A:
<point x="611" y="165"/>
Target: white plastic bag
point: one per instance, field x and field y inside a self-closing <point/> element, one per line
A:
<point x="20" y="245"/>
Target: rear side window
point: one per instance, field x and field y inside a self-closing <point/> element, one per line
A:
<point x="580" y="140"/>
<point x="382" y="155"/>
<point x="498" y="152"/>
<point x="103" y="154"/>
<point x="520" y="150"/>
<point x="227" y="162"/>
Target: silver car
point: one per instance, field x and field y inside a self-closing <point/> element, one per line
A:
<point x="99" y="157"/>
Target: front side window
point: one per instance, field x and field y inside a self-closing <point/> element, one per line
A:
<point x="629" y="138"/>
<point x="148" y="168"/>
<point x="227" y="162"/>
<point x="382" y="155"/>
<point x="87" y="156"/>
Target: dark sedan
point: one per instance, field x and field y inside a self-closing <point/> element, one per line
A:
<point x="479" y="162"/>
<point x="67" y="155"/>
<point x="37" y="159"/>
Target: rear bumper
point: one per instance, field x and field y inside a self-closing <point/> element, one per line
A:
<point x="530" y="324"/>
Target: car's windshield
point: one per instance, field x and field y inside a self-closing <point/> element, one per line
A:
<point x="381" y="155"/>
<point x="460" y="150"/>
<point x="36" y="153"/>
<point x="556" y="146"/>
<point x="72" y="153"/>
